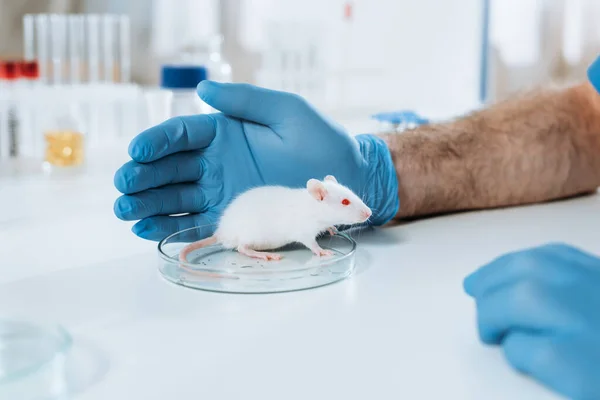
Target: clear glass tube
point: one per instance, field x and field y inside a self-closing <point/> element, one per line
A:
<point x="58" y="36"/>
<point x="41" y="39"/>
<point x="28" y="37"/>
<point x="76" y="47"/>
<point x="4" y="111"/>
<point x="109" y="47"/>
<point x="93" y="47"/>
<point x="28" y="96"/>
<point x="124" y="49"/>
<point x="4" y="137"/>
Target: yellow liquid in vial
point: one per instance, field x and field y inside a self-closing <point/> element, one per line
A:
<point x="64" y="148"/>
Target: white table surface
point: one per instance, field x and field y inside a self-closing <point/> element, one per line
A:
<point x="400" y="328"/>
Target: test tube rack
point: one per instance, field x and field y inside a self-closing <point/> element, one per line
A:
<point x="75" y="75"/>
<point x="100" y="113"/>
<point x="79" y="48"/>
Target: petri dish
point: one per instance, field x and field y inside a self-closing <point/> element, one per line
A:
<point x="215" y="268"/>
<point x="32" y="360"/>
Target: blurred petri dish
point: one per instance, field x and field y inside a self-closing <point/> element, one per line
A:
<point x="32" y="360"/>
<point x="217" y="269"/>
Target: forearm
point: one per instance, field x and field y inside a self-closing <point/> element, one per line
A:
<point x="536" y="148"/>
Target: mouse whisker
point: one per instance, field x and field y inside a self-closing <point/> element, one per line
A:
<point x="374" y="197"/>
<point x="370" y="198"/>
<point x="362" y="192"/>
<point x="349" y="231"/>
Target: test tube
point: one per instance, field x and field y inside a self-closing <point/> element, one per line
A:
<point x="109" y="46"/>
<point x="29" y="74"/>
<point x="5" y="100"/>
<point x="10" y="72"/>
<point x="29" y="109"/>
<point x="28" y="37"/>
<point x="58" y="35"/>
<point x="124" y="49"/>
<point x="76" y="46"/>
<point x="41" y="39"/>
<point x="93" y="47"/>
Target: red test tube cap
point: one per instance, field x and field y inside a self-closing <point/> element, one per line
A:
<point x="10" y="70"/>
<point x="30" y="69"/>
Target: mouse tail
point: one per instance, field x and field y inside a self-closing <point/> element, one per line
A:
<point x="195" y="246"/>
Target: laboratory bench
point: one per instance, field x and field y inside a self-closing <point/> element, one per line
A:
<point x="400" y="328"/>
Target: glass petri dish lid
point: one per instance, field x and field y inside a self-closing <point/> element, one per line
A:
<point x="32" y="360"/>
<point x="215" y="268"/>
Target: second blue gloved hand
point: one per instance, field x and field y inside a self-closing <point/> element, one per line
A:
<point x="543" y="307"/>
<point x="186" y="170"/>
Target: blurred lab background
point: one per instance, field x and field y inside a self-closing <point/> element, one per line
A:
<point x="82" y="74"/>
<point x="80" y="78"/>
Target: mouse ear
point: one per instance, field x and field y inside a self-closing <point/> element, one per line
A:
<point x="331" y="178"/>
<point x="316" y="189"/>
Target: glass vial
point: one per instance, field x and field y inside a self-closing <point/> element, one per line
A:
<point x="64" y="140"/>
<point x="181" y="81"/>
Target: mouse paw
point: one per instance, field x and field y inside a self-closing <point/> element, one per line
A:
<point x="267" y="256"/>
<point x="273" y="256"/>
<point x="261" y="255"/>
<point x="332" y="231"/>
<point x="324" y="253"/>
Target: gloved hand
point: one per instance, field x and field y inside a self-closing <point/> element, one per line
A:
<point x="594" y="74"/>
<point x="197" y="164"/>
<point x="543" y="307"/>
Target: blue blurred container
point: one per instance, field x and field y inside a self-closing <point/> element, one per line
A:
<point x="181" y="77"/>
<point x="398" y="121"/>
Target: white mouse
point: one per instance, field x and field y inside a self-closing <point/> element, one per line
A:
<point x="270" y="217"/>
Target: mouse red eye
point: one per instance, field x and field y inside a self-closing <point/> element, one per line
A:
<point x="346" y="202"/>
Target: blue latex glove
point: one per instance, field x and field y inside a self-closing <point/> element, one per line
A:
<point x="543" y="307"/>
<point x="197" y="164"/>
<point x="594" y="74"/>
